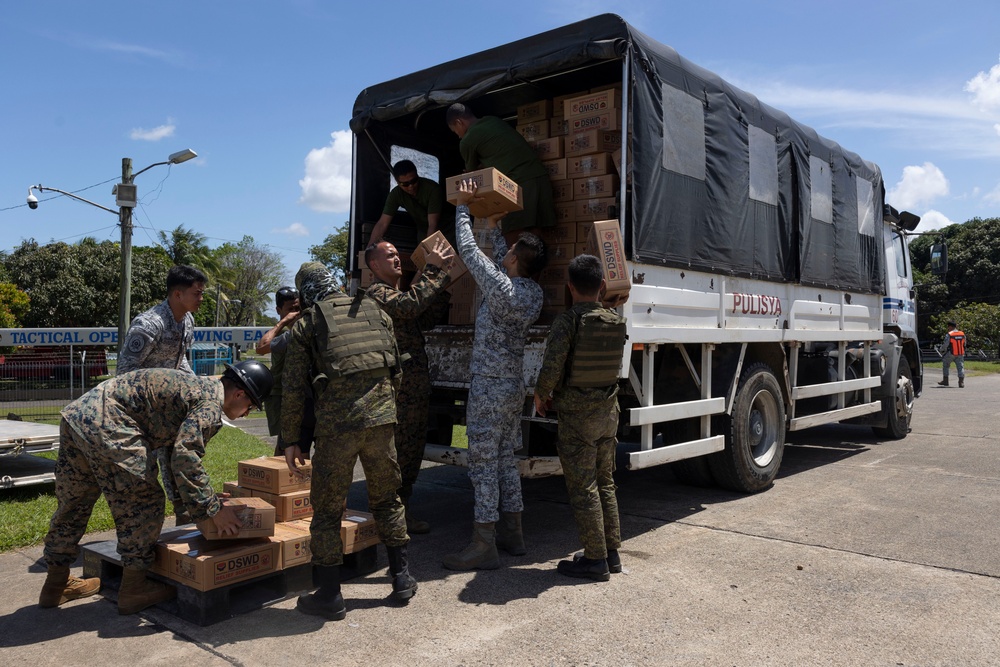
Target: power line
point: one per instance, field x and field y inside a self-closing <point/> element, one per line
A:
<point x="11" y="208"/>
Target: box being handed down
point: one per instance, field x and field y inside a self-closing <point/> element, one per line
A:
<point x="456" y="269"/>
<point x="499" y="193"/>
<point x="256" y="516"/>
<point x="607" y="244"/>
<point x="271" y="475"/>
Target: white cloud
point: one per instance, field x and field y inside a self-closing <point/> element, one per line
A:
<point x="294" y="229"/>
<point x="154" y="134"/>
<point x="933" y="220"/>
<point x="326" y="186"/>
<point x="993" y="197"/>
<point x="919" y="186"/>
<point x="985" y="88"/>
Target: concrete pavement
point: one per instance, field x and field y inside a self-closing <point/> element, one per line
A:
<point x="863" y="553"/>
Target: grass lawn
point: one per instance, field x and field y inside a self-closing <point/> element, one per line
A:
<point x="972" y="368"/>
<point x="25" y="512"/>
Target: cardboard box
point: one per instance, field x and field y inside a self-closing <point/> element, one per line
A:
<point x="558" y="127"/>
<point x="555" y="294"/>
<point x="465" y="286"/>
<point x="367" y="278"/>
<point x="255" y="514"/>
<point x="554" y="274"/>
<point x="456" y="269"/>
<point x="559" y="102"/>
<point x="602" y="101"/>
<point x="594" y="187"/>
<point x="358" y="531"/>
<point x="594" y="209"/>
<point x="462" y="314"/>
<point x="565" y="212"/>
<point x="556" y="169"/>
<point x="549" y="149"/>
<point x="185" y="556"/>
<point x="271" y="475"/>
<point x="288" y="506"/>
<point x="565" y="233"/>
<point x="235" y="490"/>
<point x="293" y="545"/>
<point x="607" y="244"/>
<point x="499" y="193"/>
<point x="528" y="113"/>
<point x="562" y="190"/>
<point x="597" y="164"/>
<point x="592" y="141"/>
<point x="535" y="131"/>
<point x="605" y="122"/>
<point x="583" y="231"/>
<point x="560" y="253"/>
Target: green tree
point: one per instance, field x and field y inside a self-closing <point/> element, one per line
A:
<point x="253" y="272"/>
<point x="979" y="321"/>
<point x="334" y="252"/>
<point x="14" y="305"/>
<point x="186" y="246"/>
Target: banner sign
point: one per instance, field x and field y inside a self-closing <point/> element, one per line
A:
<point x="108" y="336"/>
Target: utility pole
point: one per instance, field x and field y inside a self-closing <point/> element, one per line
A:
<point x="125" y="218"/>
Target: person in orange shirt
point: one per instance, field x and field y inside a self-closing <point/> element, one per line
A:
<point x="954" y="350"/>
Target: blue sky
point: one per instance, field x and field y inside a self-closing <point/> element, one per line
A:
<point x="263" y="92"/>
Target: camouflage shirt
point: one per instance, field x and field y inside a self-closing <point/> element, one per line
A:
<point x="510" y="306"/>
<point x="354" y="402"/>
<point x="133" y="414"/>
<point x="415" y="310"/>
<point x="156" y="340"/>
<point x="552" y="375"/>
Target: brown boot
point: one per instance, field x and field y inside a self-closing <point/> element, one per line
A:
<point x="415" y="526"/>
<point x="510" y="537"/>
<point x="961" y="383"/>
<point x="481" y="554"/>
<point x="60" y="588"/>
<point x="138" y="592"/>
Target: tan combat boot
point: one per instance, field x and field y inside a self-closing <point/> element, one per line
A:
<point x="481" y="554"/>
<point x="415" y="526"/>
<point x="138" y="592"/>
<point x="60" y="588"/>
<point x="510" y="537"/>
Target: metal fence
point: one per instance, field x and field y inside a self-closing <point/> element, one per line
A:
<point x="36" y="384"/>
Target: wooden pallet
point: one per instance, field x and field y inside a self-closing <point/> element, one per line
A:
<point x="207" y="607"/>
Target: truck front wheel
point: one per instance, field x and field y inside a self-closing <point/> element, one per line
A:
<point x="755" y="434"/>
<point x="899" y="406"/>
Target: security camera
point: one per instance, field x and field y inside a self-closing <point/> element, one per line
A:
<point x="32" y="200"/>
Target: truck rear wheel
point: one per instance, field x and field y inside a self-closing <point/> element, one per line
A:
<point x="899" y="406"/>
<point x="755" y="437"/>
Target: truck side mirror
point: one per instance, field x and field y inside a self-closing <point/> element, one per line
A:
<point x="939" y="259"/>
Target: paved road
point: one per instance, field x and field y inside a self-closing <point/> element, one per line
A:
<point x="863" y="553"/>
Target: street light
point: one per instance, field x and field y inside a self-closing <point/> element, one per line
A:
<point x="126" y="198"/>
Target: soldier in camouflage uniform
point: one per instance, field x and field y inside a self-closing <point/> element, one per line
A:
<point x="512" y="302"/>
<point x="161" y="338"/>
<point x="579" y="378"/>
<point x="107" y="437"/>
<point x="355" y="414"/>
<point x="412" y="312"/>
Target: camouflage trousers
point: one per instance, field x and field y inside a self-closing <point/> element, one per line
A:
<point x="493" y="417"/>
<point x="586" y="448"/>
<point x="82" y="475"/>
<point x="412" y="405"/>
<point x="167" y="476"/>
<point x="332" y="473"/>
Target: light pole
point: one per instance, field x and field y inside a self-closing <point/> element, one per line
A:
<point x="126" y="198"/>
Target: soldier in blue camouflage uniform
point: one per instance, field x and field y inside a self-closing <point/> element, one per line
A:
<point x="512" y="302"/>
<point x="588" y="417"/>
<point x="412" y="312"/>
<point x="355" y="414"/>
<point x="161" y="337"/>
<point x="107" y="437"/>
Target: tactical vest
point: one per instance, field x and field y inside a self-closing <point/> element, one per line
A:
<point x="597" y="350"/>
<point x="957" y="339"/>
<point x="351" y="337"/>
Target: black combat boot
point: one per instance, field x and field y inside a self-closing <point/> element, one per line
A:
<point x="404" y="586"/>
<point x="327" y="600"/>
<point x="585" y="568"/>
<point x="614" y="561"/>
<point x="943" y="383"/>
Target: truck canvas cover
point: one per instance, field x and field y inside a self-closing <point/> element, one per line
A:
<point x="720" y="181"/>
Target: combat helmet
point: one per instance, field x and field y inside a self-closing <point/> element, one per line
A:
<point x="255" y="377"/>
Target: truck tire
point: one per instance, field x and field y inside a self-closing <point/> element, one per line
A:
<point x="693" y="472"/>
<point x="899" y="406"/>
<point x="755" y="434"/>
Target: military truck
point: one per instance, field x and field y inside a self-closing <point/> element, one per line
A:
<point x="771" y="289"/>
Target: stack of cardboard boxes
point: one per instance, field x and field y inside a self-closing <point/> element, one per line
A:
<point x="275" y="510"/>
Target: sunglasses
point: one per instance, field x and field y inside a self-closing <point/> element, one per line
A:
<point x="406" y="184"/>
<point x="287" y="292"/>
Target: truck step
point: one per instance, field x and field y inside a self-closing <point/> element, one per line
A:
<point x="207" y="607"/>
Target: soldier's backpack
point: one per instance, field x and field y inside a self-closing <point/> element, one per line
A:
<point x="597" y="351"/>
<point x="351" y="337"/>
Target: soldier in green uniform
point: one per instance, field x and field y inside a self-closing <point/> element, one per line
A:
<point x="108" y="438"/>
<point x="413" y="312"/>
<point x="579" y="378"/>
<point x="490" y="142"/>
<point x="421" y="197"/>
<point x="343" y="350"/>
